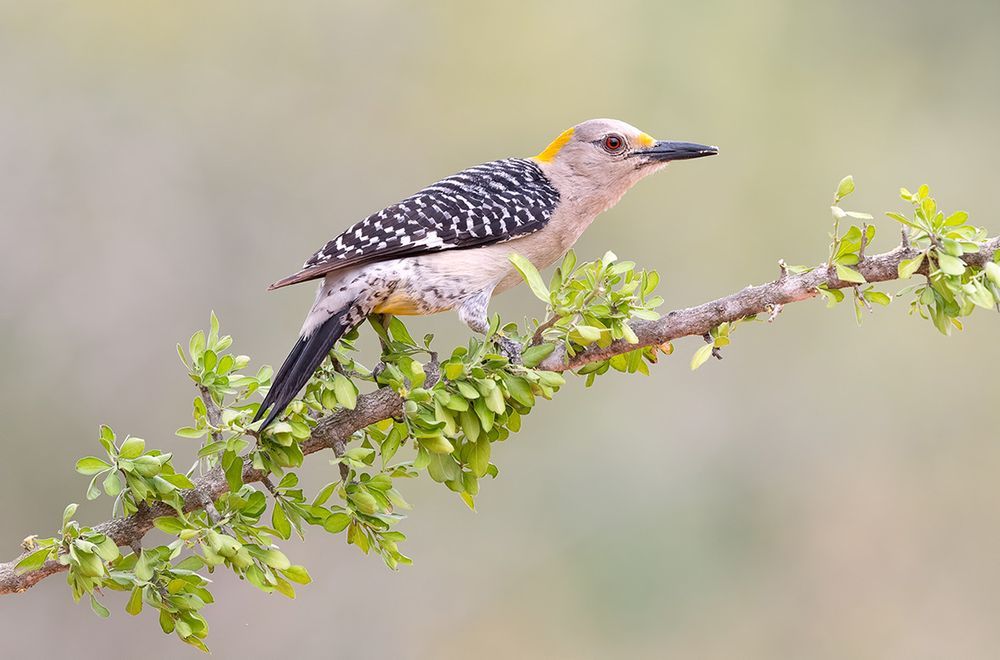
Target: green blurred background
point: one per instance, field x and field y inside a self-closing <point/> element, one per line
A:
<point x="814" y="495"/>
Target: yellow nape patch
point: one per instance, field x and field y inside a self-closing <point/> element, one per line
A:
<point x="645" y="140"/>
<point x="555" y="146"/>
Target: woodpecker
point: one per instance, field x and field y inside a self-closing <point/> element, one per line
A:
<point x="447" y="246"/>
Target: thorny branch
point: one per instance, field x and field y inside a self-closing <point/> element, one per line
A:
<point x="335" y="430"/>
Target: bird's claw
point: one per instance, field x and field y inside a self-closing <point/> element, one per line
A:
<point x="508" y="348"/>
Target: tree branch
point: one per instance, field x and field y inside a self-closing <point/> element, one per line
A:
<point x="335" y="430"/>
<point x="753" y="300"/>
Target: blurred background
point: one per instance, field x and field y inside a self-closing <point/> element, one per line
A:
<point x="824" y="492"/>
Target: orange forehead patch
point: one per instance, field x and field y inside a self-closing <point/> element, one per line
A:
<point x="645" y="140"/>
<point x="549" y="154"/>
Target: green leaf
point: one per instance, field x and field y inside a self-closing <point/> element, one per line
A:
<point x="169" y="524"/>
<point x="701" y="356"/>
<point x="232" y="466"/>
<point x="470" y="424"/>
<point x="213" y="332"/>
<point x="908" y="267"/>
<point x="190" y="432"/>
<point x="134" y="604"/>
<point x="904" y="220"/>
<point x="132" y="448"/>
<point x="437" y="444"/>
<point x="347" y="393"/>
<point x="877" y="297"/>
<point x="950" y="265"/>
<point x="588" y="334"/>
<point x="93" y="492"/>
<point x="519" y="389"/>
<point x="99" y="609"/>
<point x="196" y="346"/>
<point x="392" y="441"/>
<point x="993" y="272"/>
<point x="533" y="355"/>
<point x="91" y="465"/>
<point x="34" y="560"/>
<point x="113" y="484"/>
<point x="324" y="494"/>
<point x="845" y="187"/>
<point x="279" y="522"/>
<point x="479" y="457"/>
<point x="531" y="276"/>
<point x="957" y="218"/>
<point x="275" y="559"/>
<point x="848" y="274"/>
<point x="297" y="574"/>
<point x="336" y="522"/>
<point x="399" y="332"/>
<point x="107" y="439"/>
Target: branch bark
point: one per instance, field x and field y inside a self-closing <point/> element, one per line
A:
<point x="761" y="299"/>
<point x="333" y="431"/>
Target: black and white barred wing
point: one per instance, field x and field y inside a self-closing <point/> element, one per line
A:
<point x="489" y="203"/>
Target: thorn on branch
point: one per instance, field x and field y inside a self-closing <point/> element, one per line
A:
<point x="775" y="310"/>
<point x="206" y="503"/>
<point x="864" y="242"/>
<point x="905" y="241"/>
<point x="338" y="449"/>
<point x="864" y="301"/>
<point x="782" y="270"/>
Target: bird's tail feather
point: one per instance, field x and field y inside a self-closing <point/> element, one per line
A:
<point x="305" y="358"/>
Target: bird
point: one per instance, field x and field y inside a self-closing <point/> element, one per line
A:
<point x="448" y="245"/>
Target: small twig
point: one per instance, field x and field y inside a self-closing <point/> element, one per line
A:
<point x="864" y="301"/>
<point x="775" y="310"/>
<point x="782" y="270"/>
<point x="338" y="449"/>
<point x="537" y="337"/>
<point x="905" y="241"/>
<point x="716" y="351"/>
<point x="864" y="242"/>
<point x="212" y="411"/>
<point x="269" y="485"/>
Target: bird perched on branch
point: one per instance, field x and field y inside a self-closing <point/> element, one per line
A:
<point x="448" y="246"/>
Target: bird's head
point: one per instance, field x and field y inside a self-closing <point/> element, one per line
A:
<point x="599" y="160"/>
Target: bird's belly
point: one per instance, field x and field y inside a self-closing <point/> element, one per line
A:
<point x="441" y="281"/>
<point x="407" y="302"/>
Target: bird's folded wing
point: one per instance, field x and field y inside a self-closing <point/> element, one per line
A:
<point x="489" y="203"/>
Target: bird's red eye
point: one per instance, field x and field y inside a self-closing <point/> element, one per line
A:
<point x="613" y="144"/>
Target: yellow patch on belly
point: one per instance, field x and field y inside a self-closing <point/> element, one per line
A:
<point x="400" y="306"/>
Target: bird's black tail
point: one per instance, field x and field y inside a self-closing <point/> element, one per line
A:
<point x="305" y="358"/>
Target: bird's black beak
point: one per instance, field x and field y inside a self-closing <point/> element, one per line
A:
<point x="663" y="151"/>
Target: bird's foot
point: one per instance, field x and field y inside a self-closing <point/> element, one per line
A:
<point x="508" y="348"/>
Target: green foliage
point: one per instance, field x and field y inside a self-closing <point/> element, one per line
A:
<point x="591" y="305"/>
<point x="456" y="411"/>
<point x="952" y="289"/>
<point x="132" y="475"/>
